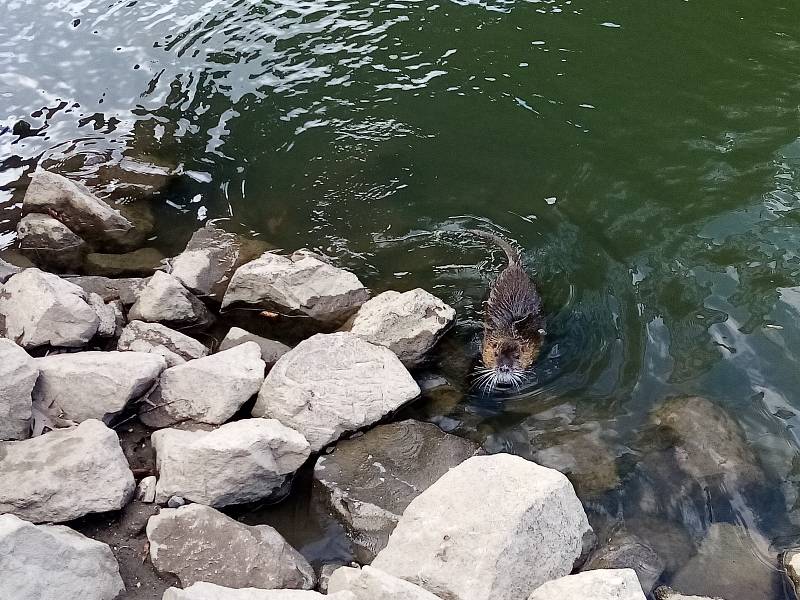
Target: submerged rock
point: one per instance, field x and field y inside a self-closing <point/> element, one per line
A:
<point x="299" y="284"/>
<point x="64" y="474"/>
<point x="18" y="373"/>
<point x="271" y="350"/>
<point x="623" y="550"/>
<point x="165" y="300"/>
<point x="370" y="480"/>
<point x="93" y="385"/>
<point x="206" y="390"/>
<point x="209" y="591"/>
<point x="536" y="532"/>
<point x="140" y="263"/>
<point x="53" y="562"/>
<point x="409" y="324"/>
<point x="50" y="243"/>
<point x="602" y="584"/>
<point x="175" y="347"/>
<point x="369" y="583"/>
<point x="667" y="593"/>
<point x="125" y="290"/>
<point x="239" y="462"/>
<point x="197" y="543"/>
<point x="332" y="384"/>
<point x="41" y="308"/>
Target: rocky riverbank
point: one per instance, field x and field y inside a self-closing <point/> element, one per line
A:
<point x="119" y="418"/>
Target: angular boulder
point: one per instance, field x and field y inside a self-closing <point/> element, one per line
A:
<point x="198" y="543"/>
<point x="602" y="584"/>
<point x="370" y="480"/>
<point x="18" y="373"/>
<point x="125" y="290"/>
<point x="139" y="263"/>
<point x="409" y="324"/>
<point x="65" y="474"/>
<point x="445" y="543"/>
<point x="298" y="284"/>
<point x="165" y="300"/>
<point x="239" y="462"/>
<point x="110" y="315"/>
<point x="209" y="591"/>
<point x="174" y="346"/>
<point x="333" y="383"/>
<point x="369" y="583"/>
<point x="53" y="562"/>
<point x="7" y="270"/>
<point x="206" y="390"/>
<point x="41" y="308"/>
<point x="271" y="350"/>
<point x="48" y="242"/>
<point x="94" y="385"/>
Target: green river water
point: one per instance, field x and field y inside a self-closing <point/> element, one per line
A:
<point x="645" y="155"/>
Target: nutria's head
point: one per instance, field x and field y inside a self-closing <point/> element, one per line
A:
<point x="507" y="359"/>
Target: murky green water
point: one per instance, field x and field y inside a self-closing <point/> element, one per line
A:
<point x="646" y="156"/>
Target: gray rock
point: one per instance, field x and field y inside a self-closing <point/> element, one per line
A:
<point x="300" y="284"/>
<point x="139" y="263"/>
<point x="239" y="462"/>
<point x="209" y="591"/>
<point x="110" y="315"/>
<point x="332" y="384"/>
<point x="146" y="490"/>
<point x="206" y="390"/>
<point x="41" y="308"/>
<point x="271" y="350"/>
<point x="77" y="208"/>
<point x="48" y="242"/>
<point x="369" y="583"/>
<point x="667" y="593"/>
<point x="369" y="481"/>
<point x="93" y="385"/>
<point x="175" y="502"/>
<point x="536" y="531"/>
<point x="409" y="324"/>
<point x="7" y="270"/>
<point x="175" y="347"/>
<point x="64" y="474"/>
<point x="165" y="300"/>
<point x="135" y="177"/>
<point x="197" y="543"/>
<point x="622" y="550"/>
<point x="603" y="584"/>
<point x="53" y="562"/>
<point x="125" y="290"/>
<point x="18" y="373"/>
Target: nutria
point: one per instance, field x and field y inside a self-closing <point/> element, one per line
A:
<point x="513" y="323"/>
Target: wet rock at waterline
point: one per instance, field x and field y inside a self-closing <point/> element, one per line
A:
<point x="330" y="384"/>
<point x="50" y="243"/>
<point x="139" y="263"/>
<point x="93" y="385"/>
<point x="623" y="550"/>
<point x="164" y="300"/>
<point x="198" y="543"/>
<point x="271" y="350"/>
<point x="409" y="324"/>
<point x="53" y="562"/>
<point x="42" y="309"/>
<point x="370" y="480"/>
<point x="18" y="373"/>
<point x="537" y="531"/>
<point x="125" y="290"/>
<point x="64" y="474"/>
<point x="603" y="584"/>
<point x="299" y="284"/>
<point x="239" y="462"/>
<point x="206" y="390"/>
<point x="369" y="583"/>
<point x="209" y="591"/>
<point x="174" y="346"/>
<point x="667" y="593"/>
<point x="7" y="270"/>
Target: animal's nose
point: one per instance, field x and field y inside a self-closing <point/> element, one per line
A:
<point x="505" y="368"/>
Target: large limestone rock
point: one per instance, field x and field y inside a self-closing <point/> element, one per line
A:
<point x="64" y="474"/>
<point x="373" y="584"/>
<point x="298" y="284"/>
<point x="332" y="384"/>
<point x="271" y="350"/>
<point x="77" y="208"/>
<point x="53" y="562"/>
<point x="174" y="346"/>
<point x="41" y="308"/>
<point x="206" y="390"/>
<point x="603" y="584"/>
<point x="18" y="373"/>
<point x="125" y="290"/>
<point x="409" y="324"/>
<point x="48" y="242"/>
<point x="370" y="480"/>
<point x="94" y="385"/>
<point x="165" y="300"/>
<point x="197" y="543"/>
<point x="141" y="262"/>
<point x="239" y="462"/>
<point x="209" y="591"/>
<point x="493" y="528"/>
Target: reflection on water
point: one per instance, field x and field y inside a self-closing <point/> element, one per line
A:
<point x="646" y="158"/>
